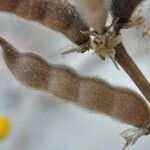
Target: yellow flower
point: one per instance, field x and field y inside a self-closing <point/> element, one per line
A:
<point x="4" y="127"/>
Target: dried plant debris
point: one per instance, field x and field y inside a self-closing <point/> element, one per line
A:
<point x="132" y="135"/>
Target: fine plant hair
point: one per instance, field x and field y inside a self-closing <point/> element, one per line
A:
<point x="94" y="13"/>
<point x="63" y="82"/>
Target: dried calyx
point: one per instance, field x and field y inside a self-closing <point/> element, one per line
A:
<point x="104" y="44"/>
<point x="132" y="135"/>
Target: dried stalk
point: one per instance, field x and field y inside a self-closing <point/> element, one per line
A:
<point x="126" y="62"/>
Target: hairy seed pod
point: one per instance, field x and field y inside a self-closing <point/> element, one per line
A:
<point x="58" y="15"/>
<point x="61" y="81"/>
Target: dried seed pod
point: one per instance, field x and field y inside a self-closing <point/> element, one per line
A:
<point x="58" y="15"/>
<point x="61" y="81"/>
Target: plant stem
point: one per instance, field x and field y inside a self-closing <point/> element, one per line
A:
<point x="126" y="62"/>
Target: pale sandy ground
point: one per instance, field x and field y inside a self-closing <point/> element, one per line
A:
<point x="43" y="122"/>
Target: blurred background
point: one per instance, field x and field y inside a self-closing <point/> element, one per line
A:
<point x="40" y="121"/>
